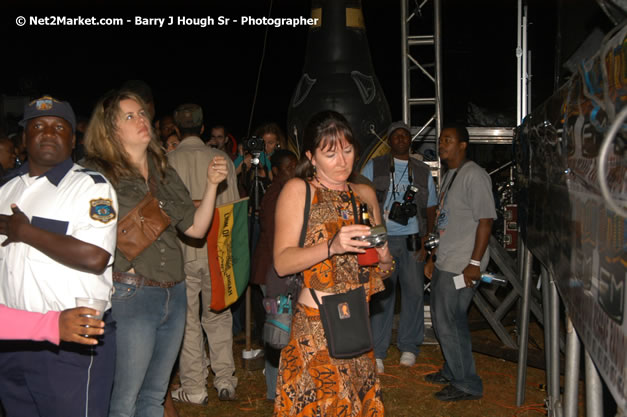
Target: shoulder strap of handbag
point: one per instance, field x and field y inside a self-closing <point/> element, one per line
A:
<point x="297" y="283"/>
<point x="303" y="231"/>
<point x="315" y="297"/>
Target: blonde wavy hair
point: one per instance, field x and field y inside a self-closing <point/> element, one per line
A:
<point x="102" y="143"/>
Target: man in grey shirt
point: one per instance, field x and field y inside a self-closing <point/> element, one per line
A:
<point x="464" y="222"/>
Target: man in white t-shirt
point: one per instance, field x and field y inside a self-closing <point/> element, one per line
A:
<point x="58" y="233"/>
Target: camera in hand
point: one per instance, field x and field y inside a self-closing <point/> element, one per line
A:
<point x="400" y="212"/>
<point x="378" y="234"/>
<point x="377" y="237"/>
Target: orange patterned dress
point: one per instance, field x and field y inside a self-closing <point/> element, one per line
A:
<point x="310" y="382"/>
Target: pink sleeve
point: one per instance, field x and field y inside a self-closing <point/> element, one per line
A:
<point x="20" y="324"/>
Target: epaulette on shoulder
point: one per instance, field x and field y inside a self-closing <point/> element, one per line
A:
<point x="96" y="176"/>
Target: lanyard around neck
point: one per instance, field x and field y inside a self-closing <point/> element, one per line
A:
<point x="445" y="191"/>
<point x="393" y="179"/>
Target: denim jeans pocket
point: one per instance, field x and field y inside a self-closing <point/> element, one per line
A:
<point x="123" y="292"/>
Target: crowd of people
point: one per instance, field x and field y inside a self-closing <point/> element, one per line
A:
<point x="119" y="211"/>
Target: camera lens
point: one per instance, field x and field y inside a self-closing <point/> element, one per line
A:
<point x="432" y="242"/>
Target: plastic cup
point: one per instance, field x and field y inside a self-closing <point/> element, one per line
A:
<point x="94" y="303"/>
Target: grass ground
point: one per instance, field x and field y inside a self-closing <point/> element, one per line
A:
<point x="405" y="393"/>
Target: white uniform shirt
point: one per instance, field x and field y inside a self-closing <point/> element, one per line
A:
<point x="70" y="200"/>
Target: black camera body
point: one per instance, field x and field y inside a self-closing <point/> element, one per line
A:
<point x="401" y="212"/>
<point x="255" y="145"/>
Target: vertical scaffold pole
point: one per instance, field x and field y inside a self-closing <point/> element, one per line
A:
<point x="554" y="323"/>
<point x="439" y="103"/>
<point x="405" y="63"/>
<point x="524" y="328"/>
<point x="546" y="315"/>
<point x="594" y="389"/>
<point x="571" y="378"/>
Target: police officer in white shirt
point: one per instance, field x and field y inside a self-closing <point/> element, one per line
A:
<point x="58" y="225"/>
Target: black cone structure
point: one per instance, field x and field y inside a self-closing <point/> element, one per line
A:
<point x="338" y="75"/>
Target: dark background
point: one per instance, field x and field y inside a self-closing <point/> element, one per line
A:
<point x="217" y="66"/>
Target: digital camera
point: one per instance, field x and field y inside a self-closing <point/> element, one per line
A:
<point x="254" y="145"/>
<point x="401" y="212"/>
<point x="377" y="237"/>
<point x="432" y="241"/>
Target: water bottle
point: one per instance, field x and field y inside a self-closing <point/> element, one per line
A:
<point x="489" y="278"/>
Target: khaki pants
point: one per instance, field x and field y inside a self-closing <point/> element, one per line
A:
<point x="217" y="326"/>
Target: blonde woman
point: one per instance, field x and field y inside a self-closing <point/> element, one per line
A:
<point x="149" y="301"/>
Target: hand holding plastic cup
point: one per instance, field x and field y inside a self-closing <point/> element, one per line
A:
<point x="94" y="303"/>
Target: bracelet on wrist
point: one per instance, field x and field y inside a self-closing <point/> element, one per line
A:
<point x="475" y="263"/>
<point x="386" y="271"/>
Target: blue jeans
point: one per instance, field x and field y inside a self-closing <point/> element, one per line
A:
<point x="410" y="274"/>
<point x="150" y="325"/>
<point x="449" y="313"/>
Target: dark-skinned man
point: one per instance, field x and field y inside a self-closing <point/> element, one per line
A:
<point x="464" y="223"/>
<point x="58" y="232"/>
<point x="7" y="158"/>
<point x="393" y="175"/>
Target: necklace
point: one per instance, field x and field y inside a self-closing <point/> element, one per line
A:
<point x="343" y="195"/>
<point x="329" y="189"/>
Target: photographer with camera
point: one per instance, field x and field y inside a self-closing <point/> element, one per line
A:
<point x="406" y="195"/>
<point x="254" y="171"/>
<point x="257" y="150"/>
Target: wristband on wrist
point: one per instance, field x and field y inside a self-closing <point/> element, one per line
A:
<point x="475" y="263"/>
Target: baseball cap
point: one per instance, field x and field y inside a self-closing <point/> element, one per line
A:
<point x="188" y="115"/>
<point x="398" y="125"/>
<point x="48" y="106"/>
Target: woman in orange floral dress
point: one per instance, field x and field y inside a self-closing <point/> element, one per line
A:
<point x="310" y="382"/>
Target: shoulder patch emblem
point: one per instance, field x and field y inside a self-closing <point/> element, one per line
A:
<point x="101" y="209"/>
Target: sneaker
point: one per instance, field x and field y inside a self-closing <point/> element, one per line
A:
<point x="181" y="396"/>
<point x="380" y="367"/>
<point x="226" y="394"/>
<point x="436" y="378"/>
<point x="408" y="359"/>
<point x="450" y="393"/>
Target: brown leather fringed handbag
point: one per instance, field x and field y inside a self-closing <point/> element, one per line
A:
<point x="141" y="226"/>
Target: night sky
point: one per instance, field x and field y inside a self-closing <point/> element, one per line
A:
<point x="217" y="66"/>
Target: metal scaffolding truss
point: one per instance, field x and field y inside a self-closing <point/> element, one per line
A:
<point x="421" y="55"/>
<point x="414" y="48"/>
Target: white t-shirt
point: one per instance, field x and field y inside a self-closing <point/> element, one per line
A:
<point x="70" y="200"/>
<point x="469" y="199"/>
